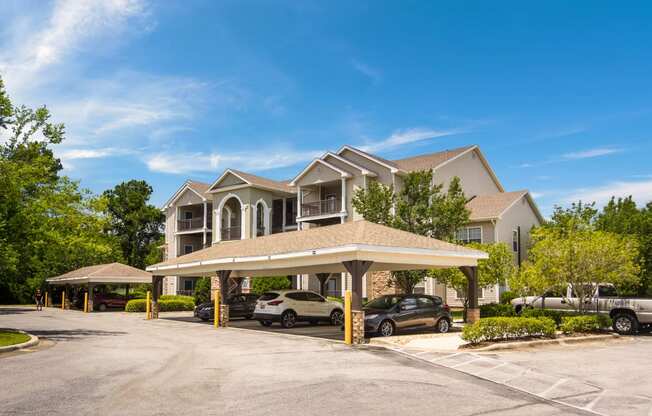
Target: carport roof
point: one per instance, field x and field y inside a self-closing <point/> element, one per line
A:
<point x="116" y="273"/>
<point x="322" y="249"/>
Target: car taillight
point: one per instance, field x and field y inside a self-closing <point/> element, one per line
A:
<point x="447" y="308"/>
<point x="275" y="302"/>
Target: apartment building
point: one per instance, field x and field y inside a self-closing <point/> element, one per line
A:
<point x="241" y="205"/>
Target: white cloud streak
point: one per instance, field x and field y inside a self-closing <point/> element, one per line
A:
<point x="372" y="73"/>
<point x="641" y="192"/>
<point x="408" y="136"/>
<point x="591" y="153"/>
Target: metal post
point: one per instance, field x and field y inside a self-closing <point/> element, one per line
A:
<point x="46" y="299"/>
<point x="86" y="302"/>
<point x="148" y="311"/>
<point x="216" y="308"/>
<point x="348" y="322"/>
<point x="63" y="299"/>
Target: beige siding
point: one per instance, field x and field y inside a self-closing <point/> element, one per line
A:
<point x="520" y="214"/>
<point x="188" y="198"/>
<point x="384" y="173"/>
<point x="488" y="235"/>
<point x="230" y="180"/>
<point x="318" y="173"/>
<point x="474" y="176"/>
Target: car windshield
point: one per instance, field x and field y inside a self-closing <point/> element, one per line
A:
<point x="268" y="296"/>
<point x="383" y="302"/>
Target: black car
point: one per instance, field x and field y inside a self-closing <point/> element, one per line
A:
<point x="240" y="306"/>
<point x="387" y="314"/>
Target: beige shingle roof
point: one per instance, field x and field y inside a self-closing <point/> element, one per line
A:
<point x="282" y="186"/>
<point x="492" y="206"/>
<point x="359" y="232"/>
<point x="105" y="273"/>
<point x="429" y="161"/>
<point x="199" y="187"/>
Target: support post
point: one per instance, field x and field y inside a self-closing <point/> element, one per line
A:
<point x="63" y="299"/>
<point x="216" y="308"/>
<point x="357" y="269"/>
<point x="156" y="292"/>
<point x="127" y="292"/>
<point x="91" y="305"/>
<point x="472" y="311"/>
<point x="348" y="323"/>
<point x="46" y="300"/>
<point x="323" y="278"/>
<point x="223" y="310"/>
<point x="148" y="306"/>
<point x="86" y="301"/>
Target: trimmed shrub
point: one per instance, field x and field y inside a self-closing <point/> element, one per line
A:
<point x="135" y="305"/>
<point x="178" y="297"/>
<point x="260" y="285"/>
<point x="539" y="313"/>
<point x="504" y="328"/>
<point x="507" y="297"/>
<point x="496" y="309"/>
<point x="584" y="323"/>
<point x="203" y="290"/>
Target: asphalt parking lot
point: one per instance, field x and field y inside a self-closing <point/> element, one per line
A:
<point x="121" y="364"/>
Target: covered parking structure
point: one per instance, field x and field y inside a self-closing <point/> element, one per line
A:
<point x="355" y="247"/>
<point x="86" y="278"/>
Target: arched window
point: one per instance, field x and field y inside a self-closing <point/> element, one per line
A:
<point x="260" y="219"/>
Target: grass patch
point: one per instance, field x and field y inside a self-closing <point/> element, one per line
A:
<point x="12" y="338"/>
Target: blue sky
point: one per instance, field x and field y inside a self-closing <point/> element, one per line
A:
<point x="558" y="94"/>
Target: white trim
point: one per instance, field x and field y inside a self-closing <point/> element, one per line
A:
<point x="220" y="206"/>
<point x="228" y="171"/>
<point x="467" y="228"/>
<point x="484" y="161"/>
<point x="180" y="192"/>
<point x="321" y="217"/>
<point x="342" y="173"/>
<point x="266" y="214"/>
<point x="392" y="169"/>
<point x="363" y="171"/>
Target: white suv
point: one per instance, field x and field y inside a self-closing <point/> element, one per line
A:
<point x="291" y="306"/>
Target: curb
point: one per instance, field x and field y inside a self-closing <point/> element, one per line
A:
<point x="535" y="343"/>
<point x="33" y="340"/>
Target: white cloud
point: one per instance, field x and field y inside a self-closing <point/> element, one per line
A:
<point x="536" y="194"/>
<point x="71" y="154"/>
<point x="590" y="153"/>
<point x="366" y="70"/>
<point x="641" y="191"/>
<point x="402" y="137"/>
<point x="197" y="162"/>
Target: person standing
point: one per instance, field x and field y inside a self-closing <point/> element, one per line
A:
<point x="38" y="298"/>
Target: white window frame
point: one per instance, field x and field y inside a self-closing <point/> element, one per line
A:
<point x="467" y="240"/>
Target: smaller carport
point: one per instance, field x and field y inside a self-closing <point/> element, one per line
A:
<point x="86" y="278"/>
<point x="355" y="247"/>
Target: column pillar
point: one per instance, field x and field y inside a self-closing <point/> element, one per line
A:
<point x="156" y="291"/>
<point x="343" y="207"/>
<point x="473" y="310"/>
<point x="204" y="228"/>
<point x="357" y="268"/>
<point x="223" y="277"/>
<point x="90" y="297"/>
<point x="323" y="278"/>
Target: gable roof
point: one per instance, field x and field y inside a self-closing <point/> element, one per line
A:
<point x="106" y="273"/>
<point x="431" y="160"/>
<point x="255" y="181"/>
<point x="199" y="188"/>
<point x="342" y="172"/>
<point x="393" y="167"/>
<point x="493" y="206"/>
<point x="363" y="170"/>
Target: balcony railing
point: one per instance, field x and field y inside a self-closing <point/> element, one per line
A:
<point x="190" y="224"/>
<point x="231" y="233"/>
<point x="327" y="206"/>
<point x="260" y="231"/>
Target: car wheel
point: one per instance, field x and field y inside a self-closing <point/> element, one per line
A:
<point x="443" y="325"/>
<point x="386" y="328"/>
<point x="266" y="323"/>
<point x="625" y="324"/>
<point x="337" y="317"/>
<point x="102" y="307"/>
<point x="288" y="319"/>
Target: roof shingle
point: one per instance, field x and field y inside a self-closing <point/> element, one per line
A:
<point x="492" y="206"/>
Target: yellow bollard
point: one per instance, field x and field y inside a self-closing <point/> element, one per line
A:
<point x="348" y="319"/>
<point x="63" y="300"/>
<point x="148" y="309"/>
<point x="85" y="302"/>
<point x="216" y="309"/>
<point x="46" y="300"/>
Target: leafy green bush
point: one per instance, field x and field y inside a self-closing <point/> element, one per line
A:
<point x="260" y="285"/>
<point x="507" y="297"/>
<point x="203" y="290"/>
<point x="556" y="316"/>
<point x="503" y="328"/>
<point x="584" y="323"/>
<point x="496" y="309"/>
<point x="178" y="297"/>
<point x="172" y="303"/>
<point x="339" y="299"/>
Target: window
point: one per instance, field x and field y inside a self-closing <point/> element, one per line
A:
<point x="268" y="296"/>
<point x="409" y="304"/>
<point x="188" y="284"/>
<point x="187" y="215"/>
<point x="291" y="211"/>
<point x="187" y="248"/>
<point x="260" y="220"/>
<point x="425" y="303"/>
<point x="313" y="297"/>
<point x="469" y="235"/>
<point x="607" y="291"/>
<point x="515" y="242"/>
<point x="301" y="296"/>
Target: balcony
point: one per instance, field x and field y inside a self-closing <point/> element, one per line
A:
<point x="324" y="207"/>
<point x="190" y="224"/>
<point x="231" y="233"/>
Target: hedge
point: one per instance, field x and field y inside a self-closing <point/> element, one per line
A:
<point x="178" y="297"/>
<point x="495" y="309"/>
<point x="165" y="305"/>
<point x="584" y="323"/>
<point x="260" y="285"/>
<point x="504" y="328"/>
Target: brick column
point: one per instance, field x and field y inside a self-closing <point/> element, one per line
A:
<point x="224" y="315"/>
<point x="358" y="327"/>
<point x="473" y="311"/>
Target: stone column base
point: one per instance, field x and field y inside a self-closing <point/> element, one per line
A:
<point x="357" y="327"/>
<point x="67" y="304"/>
<point x="155" y="309"/>
<point x="224" y="315"/>
<point x="90" y="303"/>
<point x="472" y="315"/>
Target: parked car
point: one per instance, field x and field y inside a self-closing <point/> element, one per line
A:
<point x="388" y="314"/>
<point x="291" y="306"/>
<point x="628" y="314"/>
<point x="103" y="301"/>
<point x="240" y="306"/>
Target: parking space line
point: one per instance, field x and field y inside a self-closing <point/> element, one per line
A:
<point x="554" y="386"/>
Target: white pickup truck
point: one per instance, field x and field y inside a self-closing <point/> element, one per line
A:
<point x="628" y="314"/>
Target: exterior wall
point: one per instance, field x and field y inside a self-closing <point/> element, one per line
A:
<point x="384" y="173"/>
<point x="231" y="180"/>
<point x="244" y="195"/>
<point x="319" y="173"/>
<point x="195" y="240"/>
<point x="188" y="198"/>
<point x="488" y="230"/>
<point x="473" y="175"/>
<point x="490" y="295"/>
<point x="520" y="214"/>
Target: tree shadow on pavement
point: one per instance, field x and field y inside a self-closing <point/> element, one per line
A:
<point x="73" y="334"/>
<point x="15" y="310"/>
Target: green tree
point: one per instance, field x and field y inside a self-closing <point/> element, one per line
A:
<point x="137" y="225"/>
<point x="48" y="226"/>
<point x="203" y="290"/>
<point x="419" y="207"/>
<point x="622" y="216"/>
<point x="496" y="270"/>
<point x="260" y="285"/>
